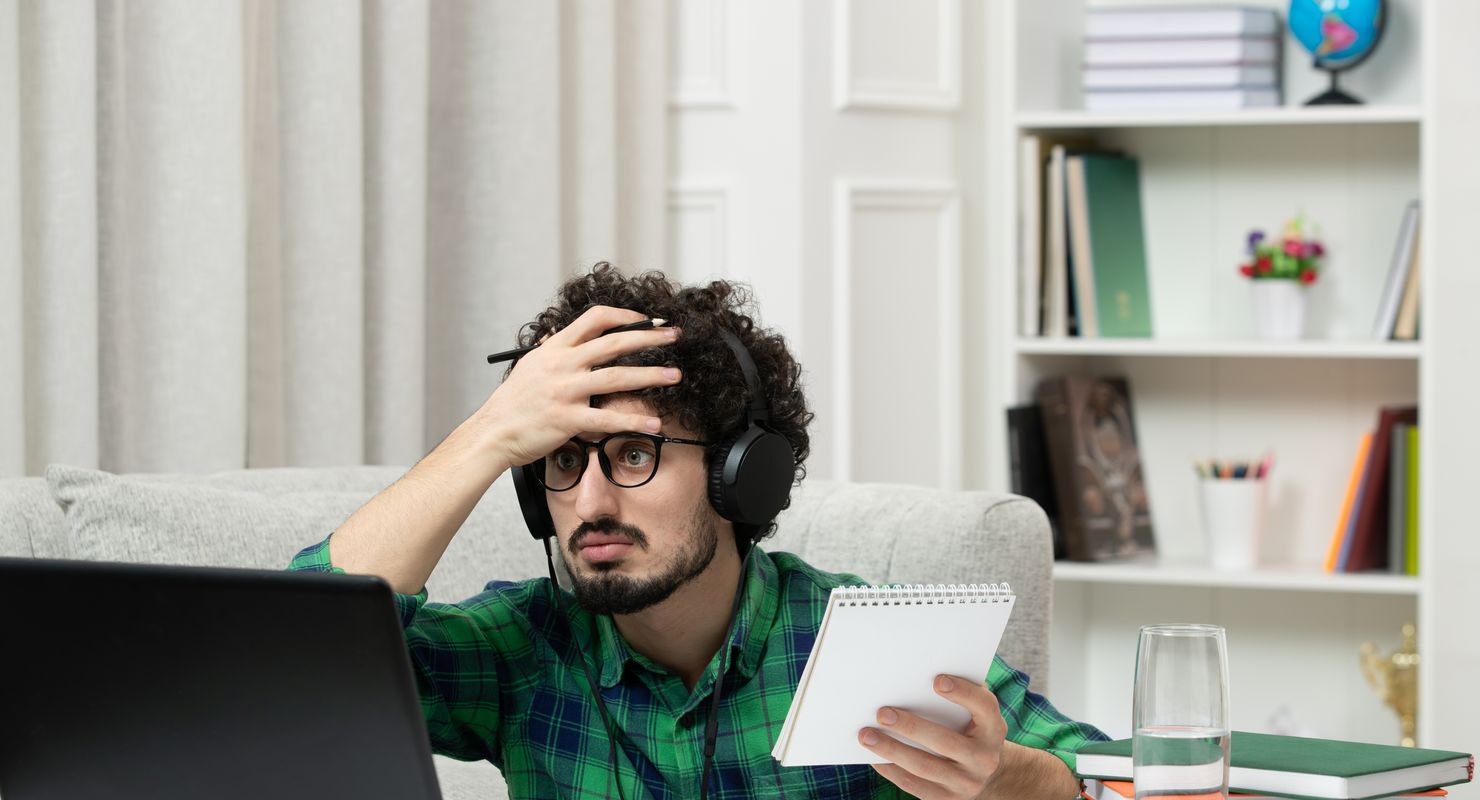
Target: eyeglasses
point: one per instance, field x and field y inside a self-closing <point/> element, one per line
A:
<point x="628" y="460"/>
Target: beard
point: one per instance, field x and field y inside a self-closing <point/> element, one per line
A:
<point x="601" y="590"/>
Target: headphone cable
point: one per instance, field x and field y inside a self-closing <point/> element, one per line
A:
<point x="611" y="730"/>
<point x="711" y="728"/>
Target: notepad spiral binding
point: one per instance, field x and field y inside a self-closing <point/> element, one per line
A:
<point x="924" y="594"/>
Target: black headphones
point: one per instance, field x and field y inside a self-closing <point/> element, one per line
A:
<point x="750" y="475"/>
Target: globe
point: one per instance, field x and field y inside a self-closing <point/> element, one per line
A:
<point x="1339" y="34"/>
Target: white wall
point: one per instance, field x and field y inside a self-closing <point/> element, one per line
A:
<point x="821" y="151"/>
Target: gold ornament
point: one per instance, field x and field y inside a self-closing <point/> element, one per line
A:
<point x="1395" y="677"/>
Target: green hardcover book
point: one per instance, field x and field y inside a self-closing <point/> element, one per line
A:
<point x="1117" y="244"/>
<point x="1306" y="769"/>
<point x="1410" y="559"/>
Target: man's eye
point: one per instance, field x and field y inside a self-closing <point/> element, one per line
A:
<point x="635" y="457"/>
<point x="566" y="460"/>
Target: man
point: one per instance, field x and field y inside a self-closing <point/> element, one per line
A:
<point x="655" y="571"/>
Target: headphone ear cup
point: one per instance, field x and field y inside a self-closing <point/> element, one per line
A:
<point x="532" y="501"/>
<point x="751" y="476"/>
<point x="717" y="497"/>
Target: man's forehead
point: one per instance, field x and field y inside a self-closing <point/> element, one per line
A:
<point x="628" y="404"/>
<point x="625" y="403"/>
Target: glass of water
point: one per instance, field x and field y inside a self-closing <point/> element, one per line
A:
<point x="1180" y="712"/>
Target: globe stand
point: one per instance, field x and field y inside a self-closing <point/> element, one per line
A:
<point x="1332" y="96"/>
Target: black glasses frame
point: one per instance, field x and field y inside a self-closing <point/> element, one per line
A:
<point x="599" y="446"/>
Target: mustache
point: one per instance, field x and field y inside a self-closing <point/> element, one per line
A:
<point x="606" y="525"/>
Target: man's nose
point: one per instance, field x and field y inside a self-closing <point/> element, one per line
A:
<point x="595" y="495"/>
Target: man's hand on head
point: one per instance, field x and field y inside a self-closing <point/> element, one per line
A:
<point x="546" y="399"/>
<point x="977" y="762"/>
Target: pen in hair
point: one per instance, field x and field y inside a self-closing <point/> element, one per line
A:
<point x="641" y="325"/>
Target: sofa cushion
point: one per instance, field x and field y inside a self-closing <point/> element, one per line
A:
<point x="259" y="518"/>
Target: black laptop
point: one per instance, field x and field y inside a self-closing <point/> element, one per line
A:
<point x="135" y="681"/>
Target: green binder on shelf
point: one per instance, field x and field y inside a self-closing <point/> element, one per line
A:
<point x="1117" y="244"/>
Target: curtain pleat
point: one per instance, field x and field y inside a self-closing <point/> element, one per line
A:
<point x="59" y="231"/>
<point x="396" y="96"/>
<point x="493" y="191"/>
<point x="12" y="286"/>
<point x="172" y="260"/>
<point x="262" y="233"/>
<point x="588" y="89"/>
<point x="267" y="389"/>
<point x="641" y="132"/>
<point x="321" y="209"/>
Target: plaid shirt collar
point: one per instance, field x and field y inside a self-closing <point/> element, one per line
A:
<point x="757" y="613"/>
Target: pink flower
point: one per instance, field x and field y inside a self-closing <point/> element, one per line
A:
<point x="1292" y="247"/>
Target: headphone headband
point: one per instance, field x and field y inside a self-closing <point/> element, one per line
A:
<point x="760" y="410"/>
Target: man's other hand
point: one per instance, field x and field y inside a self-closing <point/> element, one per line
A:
<point x="968" y="760"/>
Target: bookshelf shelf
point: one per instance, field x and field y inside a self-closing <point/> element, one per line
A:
<point x="1253" y="117"/>
<point x="1209" y="388"/>
<point x="1294" y="578"/>
<point x="1190" y="348"/>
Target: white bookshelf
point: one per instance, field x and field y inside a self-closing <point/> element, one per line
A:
<point x="1302" y="578"/>
<point x="1216" y="348"/>
<point x="1330" y="115"/>
<point x="1206" y="386"/>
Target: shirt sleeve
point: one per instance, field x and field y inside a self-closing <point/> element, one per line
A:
<point x="455" y="666"/>
<point x="1032" y="721"/>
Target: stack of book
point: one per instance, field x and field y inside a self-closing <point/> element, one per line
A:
<point x="1378" y="526"/>
<point x="1181" y="57"/>
<point x="1264" y="765"/>
<point x="1083" y="242"/>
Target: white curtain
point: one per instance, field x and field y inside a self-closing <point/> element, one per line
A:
<point x="286" y="232"/>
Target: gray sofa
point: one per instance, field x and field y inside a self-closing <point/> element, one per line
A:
<point x="261" y="517"/>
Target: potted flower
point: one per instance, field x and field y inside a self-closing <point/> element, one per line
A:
<point x="1280" y="271"/>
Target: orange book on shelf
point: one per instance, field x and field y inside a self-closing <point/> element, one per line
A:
<point x="1359" y="464"/>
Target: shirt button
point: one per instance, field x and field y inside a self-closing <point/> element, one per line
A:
<point x="687" y="720"/>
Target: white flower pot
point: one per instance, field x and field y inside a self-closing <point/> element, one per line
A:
<point x="1279" y="308"/>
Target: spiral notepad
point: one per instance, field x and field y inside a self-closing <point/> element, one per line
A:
<point x="883" y="646"/>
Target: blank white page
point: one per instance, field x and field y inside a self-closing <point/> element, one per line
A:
<point x="886" y="651"/>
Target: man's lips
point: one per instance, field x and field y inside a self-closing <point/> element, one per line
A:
<point x="603" y="546"/>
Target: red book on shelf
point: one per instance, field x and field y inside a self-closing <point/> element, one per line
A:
<point x="1370" y="536"/>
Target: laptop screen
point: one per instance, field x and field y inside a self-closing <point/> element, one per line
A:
<point x="123" y="680"/>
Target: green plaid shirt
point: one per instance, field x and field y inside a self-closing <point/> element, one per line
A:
<point x="500" y="680"/>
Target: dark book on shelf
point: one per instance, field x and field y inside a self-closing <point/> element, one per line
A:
<point x="1104" y="511"/>
<point x="1028" y="466"/>
<point x="1369" y="545"/>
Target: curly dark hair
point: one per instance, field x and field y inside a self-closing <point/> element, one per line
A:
<point x="712" y="397"/>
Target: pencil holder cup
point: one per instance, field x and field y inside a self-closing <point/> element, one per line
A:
<point x="1233" y="516"/>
